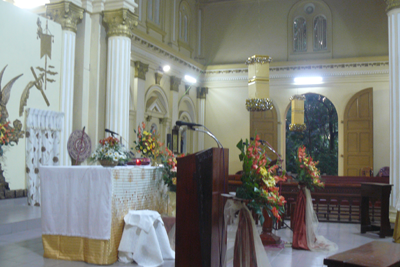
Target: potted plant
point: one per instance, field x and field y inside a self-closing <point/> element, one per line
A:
<point x="109" y="152"/>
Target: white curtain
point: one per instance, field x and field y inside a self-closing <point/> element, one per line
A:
<point x="315" y="242"/>
<point x="42" y="147"/>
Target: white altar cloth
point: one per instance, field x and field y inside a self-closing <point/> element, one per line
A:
<point x="144" y="239"/>
<point x="83" y="208"/>
<point x="76" y="201"/>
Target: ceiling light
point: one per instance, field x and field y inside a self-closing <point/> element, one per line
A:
<point x="166" y="68"/>
<point x="190" y="79"/>
<point x="308" y="80"/>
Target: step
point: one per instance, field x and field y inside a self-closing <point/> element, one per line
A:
<point x="16" y="216"/>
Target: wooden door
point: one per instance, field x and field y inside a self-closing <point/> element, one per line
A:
<point x="358" y="133"/>
<point x="265" y="124"/>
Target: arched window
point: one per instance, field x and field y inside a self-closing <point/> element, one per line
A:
<point x="319" y="33"/>
<point x="184" y="21"/>
<point x="300" y="35"/>
<point x="309" y="30"/>
<point x="153" y="11"/>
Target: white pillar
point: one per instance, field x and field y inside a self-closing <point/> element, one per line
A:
<point x="201" y="114"/>
<point x="139" y="90"/>
<point x="118" y="79"/>
<point x="393" y="12"/>
<point x="119" y="24"/>
<point x="174" y="98"/>
<point x="68" y="15"/>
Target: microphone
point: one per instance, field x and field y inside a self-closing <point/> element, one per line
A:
<point x="111" y="132"/>
<point x="184" y="123"/>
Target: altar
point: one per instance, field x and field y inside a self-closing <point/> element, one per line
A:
<point x="83" y="208"/>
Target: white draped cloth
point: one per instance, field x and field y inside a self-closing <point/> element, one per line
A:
<point x="315" y="242"/>
<point x="43" y="128"/>
<point x="76" y="201"/>
<point x="144" y="239"/>
<point x="231" y="226"/>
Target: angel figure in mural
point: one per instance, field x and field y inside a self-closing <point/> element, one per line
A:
<point x="5" y="92"/>
<point x="42" y="78"/>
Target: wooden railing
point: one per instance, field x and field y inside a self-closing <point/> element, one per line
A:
<point x="339" y="201"/>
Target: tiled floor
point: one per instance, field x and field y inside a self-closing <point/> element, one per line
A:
<point x="22" y="247"/>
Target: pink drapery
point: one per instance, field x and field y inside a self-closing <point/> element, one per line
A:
<point x="299" y="222"/>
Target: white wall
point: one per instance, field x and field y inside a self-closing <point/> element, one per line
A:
<point x="228" y="119"/>
<point x="20" y="50"/>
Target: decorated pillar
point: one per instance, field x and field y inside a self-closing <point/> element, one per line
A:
<point x="201" y="110"/>
<point x="258" y="83"/>
<point x="139" y="90"/>
<point x="393" y="12"/>
<point x="68" y="15"/>
<point x="119" y="25"/>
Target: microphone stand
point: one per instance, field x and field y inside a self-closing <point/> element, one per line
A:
<point x="207" y="132"/>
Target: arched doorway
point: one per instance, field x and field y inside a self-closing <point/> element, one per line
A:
<point x="320" y="138"/>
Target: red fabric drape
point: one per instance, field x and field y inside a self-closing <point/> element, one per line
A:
<point x="299" y="221"/>
<point x="244" y="250"/>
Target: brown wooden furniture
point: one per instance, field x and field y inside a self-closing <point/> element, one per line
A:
<point x="374" y="192"/>
<point x="202" y="178"/>
<point x="373" y="254"/>
<point x="367" y="171"/>
<point x="339" y="201"/>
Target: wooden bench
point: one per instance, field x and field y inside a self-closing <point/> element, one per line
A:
<point x="339" y="201"/>
<point x="373" y="254"/>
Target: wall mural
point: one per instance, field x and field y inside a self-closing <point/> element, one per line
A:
<point x="44" y="73"/>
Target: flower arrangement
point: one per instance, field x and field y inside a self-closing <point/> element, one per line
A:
<point x="5" y="134"/>
<point x="259" y="180"/>
<point x="170" y="167"/>
<point x="307" y="172"/>
<point x="109" y="149"/>
<point x="147" y="143"/>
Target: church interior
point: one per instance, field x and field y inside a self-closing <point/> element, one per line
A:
<point x="115" y="64"/>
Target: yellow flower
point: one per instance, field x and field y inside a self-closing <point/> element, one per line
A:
<point x="263" y="171"/>
<point x="174" y="181"/>
<point x="145" y="150"/>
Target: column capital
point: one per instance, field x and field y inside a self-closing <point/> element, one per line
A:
<point x="158" y="76"/>
<point x="175" y="82"/>
<point x="119" y="22"/>
<point x="65" y="13"/>
<point x="392" y="4"/>
<point x="141" y="69"/>
<point x="202" y="92"/>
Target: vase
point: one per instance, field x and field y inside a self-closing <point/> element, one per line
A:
<point x="108" y="163"/>
<point x="153" y="162"/>
<point x="171" y="204"/>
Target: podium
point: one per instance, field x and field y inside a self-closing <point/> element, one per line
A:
<point x="200" y="238"/>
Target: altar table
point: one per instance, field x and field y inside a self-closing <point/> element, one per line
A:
<point x="83" y="208"/>
<point x="373" y="254"/>
<point x="375" y="192"/>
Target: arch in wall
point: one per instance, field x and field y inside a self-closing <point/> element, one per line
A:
<point x="186" y="136"/>
<point x="156" y="110"/>
<point x="329" y="144"/>
<point x="186" y="104"/>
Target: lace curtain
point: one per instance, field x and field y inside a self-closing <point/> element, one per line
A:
<point x="42" y="147"/>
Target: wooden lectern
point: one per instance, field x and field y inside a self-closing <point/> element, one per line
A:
<point x="200" y="236"/>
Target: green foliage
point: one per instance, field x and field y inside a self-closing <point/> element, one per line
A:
<point x="320" y="138"/>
